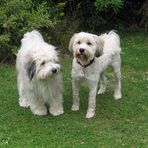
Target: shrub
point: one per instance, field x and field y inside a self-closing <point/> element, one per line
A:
<point x="20" y="16"/>
<point x="104" y="5"/>
<point x="94" y="13"/>
<point x="144" y="15"/>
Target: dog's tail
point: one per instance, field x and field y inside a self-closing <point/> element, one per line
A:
<point x="114" y="34"/>
<point x="112" y="42"/>
<point x="33" y="35"/>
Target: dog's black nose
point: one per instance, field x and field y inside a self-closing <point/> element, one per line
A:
<point x="54" y="70"/>
<point x="81" y="50"/>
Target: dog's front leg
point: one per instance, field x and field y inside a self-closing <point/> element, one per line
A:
<point x="56" y="104"/>
<point x="91" y="100"/>
<point x="37" y="106"/>
<point x="76" y="99"/>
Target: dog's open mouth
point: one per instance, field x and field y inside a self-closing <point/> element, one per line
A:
<point x="82" y="57"/>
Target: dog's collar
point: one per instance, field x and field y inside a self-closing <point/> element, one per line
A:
<point x="84" y="66"/>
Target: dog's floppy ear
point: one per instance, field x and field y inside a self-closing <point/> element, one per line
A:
<point x="99" y="44"/>
<point x="71" y="42"/>
<point x="31" y="69"/>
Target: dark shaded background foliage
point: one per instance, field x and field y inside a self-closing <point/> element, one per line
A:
<point x="57" y="20"/>
<point x="125" y="13"/>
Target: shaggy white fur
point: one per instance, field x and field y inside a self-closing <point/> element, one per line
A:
<point x="39" y="80"/>
<point x="92" y="55"/>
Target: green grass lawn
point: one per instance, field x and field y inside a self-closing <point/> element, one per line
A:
<point x="122" y="123"/>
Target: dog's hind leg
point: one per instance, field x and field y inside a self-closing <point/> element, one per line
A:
<point x="23" y="101"/>
<point x="102" y="89"/>
<point x="116" y="64"/>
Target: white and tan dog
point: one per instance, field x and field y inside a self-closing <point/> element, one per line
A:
<point x="92" y="55"/>
<point x="39" y="79"/>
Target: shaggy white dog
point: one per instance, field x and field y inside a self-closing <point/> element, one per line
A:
<point x="92" y="55"/>
<point x="39" y="80"/>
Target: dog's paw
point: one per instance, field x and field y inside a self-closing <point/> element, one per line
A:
<point x="56" y="113"/>
<point x="90" y="114"/>
<point x="101" y="91"/>
<point x="39" y="111"/>
<point x="117" y="96"/>
<point x="23" y="103"/>
<point x="75" y="108"/>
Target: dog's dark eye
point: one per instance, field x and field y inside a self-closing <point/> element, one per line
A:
<point x="89" y="43"/>
<point x="43" y="63"/>
<point x="78" y="42"/>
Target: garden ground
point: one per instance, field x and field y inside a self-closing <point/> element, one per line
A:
<point x="121" y="123"/>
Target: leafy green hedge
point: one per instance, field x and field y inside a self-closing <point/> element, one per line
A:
<point x="62" y="18"/>
<point x="103" y="5"/>
<point x="20" y="16"/>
